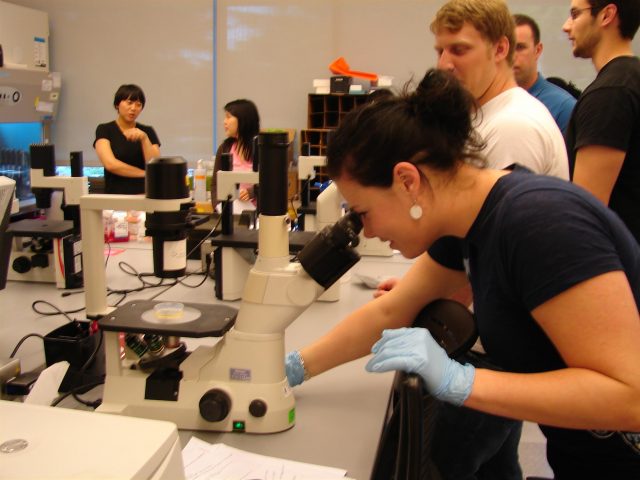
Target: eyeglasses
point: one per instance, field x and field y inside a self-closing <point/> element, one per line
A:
<point x="576" y="12"/>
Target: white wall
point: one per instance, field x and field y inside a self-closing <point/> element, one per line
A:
<point x="267" y="50"/>
<point x="165" y="46"/>
<point x="271" y="50"/>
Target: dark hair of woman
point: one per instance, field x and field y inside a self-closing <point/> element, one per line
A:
<point x="432" y="125"/>
<point x="567" y="86"/>
<point x="248" y="124"/>
<point x="129" y="92"/>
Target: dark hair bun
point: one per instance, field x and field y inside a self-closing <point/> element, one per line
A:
<point x="441" y="100"/>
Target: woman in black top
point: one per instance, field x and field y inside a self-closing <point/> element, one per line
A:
<point x="124" y="146"/>
<point x="555" y="277"/>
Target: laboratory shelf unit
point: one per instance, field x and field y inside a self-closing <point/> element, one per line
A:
<point x="324" y="113"/>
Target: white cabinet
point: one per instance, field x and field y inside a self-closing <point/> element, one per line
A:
<point x="24" y="36"/>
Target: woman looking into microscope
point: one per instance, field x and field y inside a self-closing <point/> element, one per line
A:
<point x="555" y="277"/>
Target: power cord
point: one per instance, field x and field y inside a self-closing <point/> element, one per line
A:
<point x="57" y="311"/>
<point x="21" y="341"/>
<point x="74" y="392"/>
<point x="145" y="284"/>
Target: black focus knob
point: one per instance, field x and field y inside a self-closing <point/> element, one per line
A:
<point x="21" y="264"/>
<point x="258" y="408"/>
<point x="215" y="405"/>
<point x="40" y="260"/>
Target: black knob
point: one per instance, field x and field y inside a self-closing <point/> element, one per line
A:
<point x="40" y="260"/>
<point x="21" y="264"/>
<point x="258" y="408"/>
<point x="215" y="405"/>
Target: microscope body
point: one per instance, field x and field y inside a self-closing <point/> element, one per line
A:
<point x="233" y="259"/>
<point x="239" y="383"/>
<point x="49" y="249"/>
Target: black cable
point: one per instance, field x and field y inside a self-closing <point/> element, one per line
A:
<point x="181" y="280"/>
<point x="89" y="360"/>
<point x="95" y="404"/>
<point x="205" y="272"/>
<point x="79" y="374"/>
<point x="67" y="294"/>
<point x="21" y="341"/>
<point x="129" y="270"/>
<point x="60" y="398"/>
<point x="57" y="310"/>
<point x="106" y="260"/>
<point x="146" y="284"/>
<point x="211" y="232"/>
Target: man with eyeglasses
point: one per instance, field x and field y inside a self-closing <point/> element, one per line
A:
<point x="603" y="136"/>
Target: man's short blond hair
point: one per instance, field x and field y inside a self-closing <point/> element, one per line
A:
<point x="490" y="17"/>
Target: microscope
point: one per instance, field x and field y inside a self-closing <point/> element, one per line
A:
<point x="8" y="206"/>
<point x="307" y="211"/>
<point x="328" y="207"/>
<point x="49" y="249"/>
<point x="239" y="383"/>
<point x="234" y="256"/>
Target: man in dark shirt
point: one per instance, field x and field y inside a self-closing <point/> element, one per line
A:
<point x="603" y="136"/>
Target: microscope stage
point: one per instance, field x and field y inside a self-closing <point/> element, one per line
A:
<point x="248" y="238"/>
<point x="212" y="321"/>
<point x="32" y="227"/>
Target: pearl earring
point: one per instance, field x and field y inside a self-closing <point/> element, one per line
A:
<point x="415" y="211"/>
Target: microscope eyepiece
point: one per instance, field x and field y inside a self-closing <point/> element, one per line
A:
<point x="345" y="231"/>
<point x="331" y="252"/>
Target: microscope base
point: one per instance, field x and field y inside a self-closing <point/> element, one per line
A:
<point x="125" y="395"/>
<point x="60" y="264"/>
<point x="236" y="385"/>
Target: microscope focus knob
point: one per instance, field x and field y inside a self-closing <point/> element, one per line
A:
<point x="40" y="260"/>
<point x="215" y="405"/>
<point x="21" y="264"/>
<point x="258" y="408"/>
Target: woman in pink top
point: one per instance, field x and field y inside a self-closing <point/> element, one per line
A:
<point x="241" y="125"/>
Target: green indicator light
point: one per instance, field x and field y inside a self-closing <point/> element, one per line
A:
<point x="238" y="425"/>
<point x="292" y="415"/>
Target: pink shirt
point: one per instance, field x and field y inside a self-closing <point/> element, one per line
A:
<point x="241" y="165"/>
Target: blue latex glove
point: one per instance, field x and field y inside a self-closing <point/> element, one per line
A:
<point x="294" y="367"/>
<point x="414" y="350"/>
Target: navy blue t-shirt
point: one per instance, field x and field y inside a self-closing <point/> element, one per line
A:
<point x="535" y="237"/>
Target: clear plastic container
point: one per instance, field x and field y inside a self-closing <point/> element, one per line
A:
<point x="167" y="311"/>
